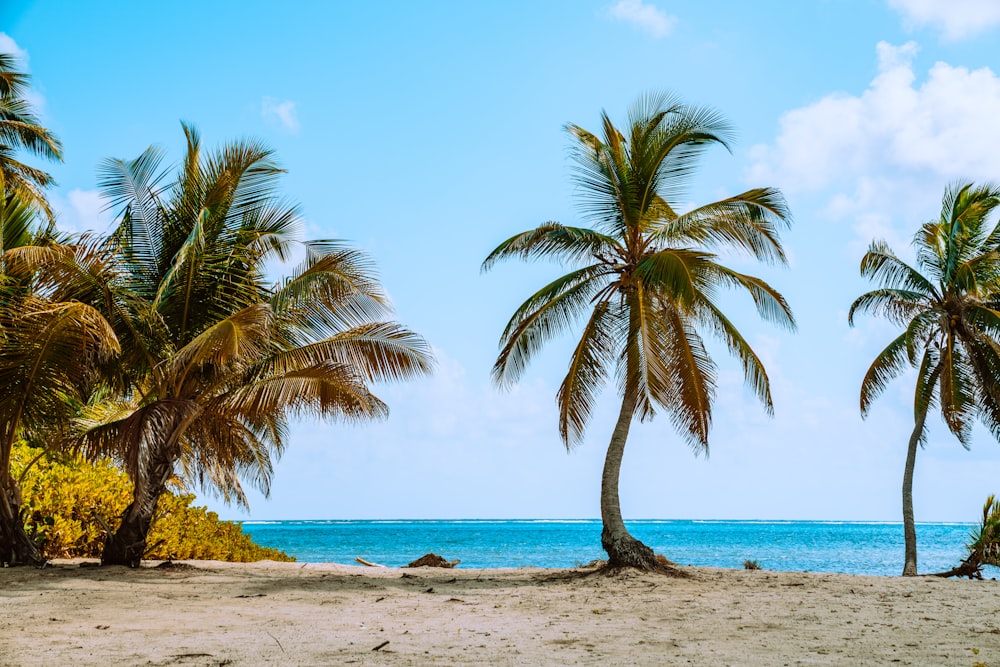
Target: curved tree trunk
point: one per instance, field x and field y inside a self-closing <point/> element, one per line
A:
<point x="127" y="545"/>
<point x="968" y="568"/>
<point x="909" y="527"/>
<point x="623" y="549"/>
<point x="16" y="548"/>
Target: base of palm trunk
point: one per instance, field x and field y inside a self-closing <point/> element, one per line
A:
<point x="626" y="551"/>
<point x="910" y="570"/>
<point x="16" y="548"/>
<point x="127" y="545"/>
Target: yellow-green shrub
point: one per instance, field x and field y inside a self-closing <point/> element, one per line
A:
<point x="64" y="500"/>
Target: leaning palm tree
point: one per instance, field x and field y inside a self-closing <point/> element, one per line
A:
<point x="984" y="544"/>
<point x="645" y="280"/>
<point x="217" y="359"/>
<point x="949" y="309"/>
<point x="20" y="130"/>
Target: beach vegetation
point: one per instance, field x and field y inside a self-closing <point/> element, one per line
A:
<point x="983" y="545"/>
<point x="217" y="357"/>
<point x="644" y="283"/>
<point x="70" y="504"/>
<point x="948" y="307"/>
<point x="45" y="346"/>
<point x="751" y="565"/>
<point x="48" y="350"/>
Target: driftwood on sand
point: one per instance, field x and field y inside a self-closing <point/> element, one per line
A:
<point x="433" y="560"/>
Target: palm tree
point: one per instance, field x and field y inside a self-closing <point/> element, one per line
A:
<point x="949" y="308"/>
<point x="647" y="279"/>
<point x="20" y="130"/>
<point x="48" y="349"/>
<point x="218" y="359"/>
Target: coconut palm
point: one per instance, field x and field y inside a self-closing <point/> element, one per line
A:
<point x="48" y="348"/>
<point x="949" y="309"/>
<point x="645" y="280"/>
<point x="219" y="359"/>
<point x="20" y="131"/>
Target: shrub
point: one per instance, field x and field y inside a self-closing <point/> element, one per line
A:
<point x="66" y="499"/>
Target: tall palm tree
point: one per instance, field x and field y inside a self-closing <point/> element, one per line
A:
<point x="646" y="281"/>
<point x="949" y="308"/>
<point x="48" y="349"/>
<point x="20" y="131"/>
<point x="218" y="359"/>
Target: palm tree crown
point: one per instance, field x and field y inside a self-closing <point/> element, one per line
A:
<point x="646" y="274"/>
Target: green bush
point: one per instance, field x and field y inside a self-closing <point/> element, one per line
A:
<point x="65" y="499"/>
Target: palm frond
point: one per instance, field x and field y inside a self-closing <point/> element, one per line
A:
<point x="548" y="312"/>
<point x="568" y="245"/>
<point x="746" y="222"/>
<point x="589" y="367"/>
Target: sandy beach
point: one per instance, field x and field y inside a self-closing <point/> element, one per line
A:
<point x="210" y="613"/>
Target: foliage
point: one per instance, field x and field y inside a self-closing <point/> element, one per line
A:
<point x="20" y="131"/>
<point x="751" y="565"/>
<point x="983" y="545"/>
<point x="66" y="499"/>
<point x="215" y="358"/>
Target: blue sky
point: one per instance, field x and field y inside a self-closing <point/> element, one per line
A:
<point x="426" y="133"/>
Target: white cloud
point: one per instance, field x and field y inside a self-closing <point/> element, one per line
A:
<point x="955" y="19"/>
<point x="282" y="112"/>
<point x="8" y="45"/>
<point x="889" y="152"/>
<point x="646" y="16"/>
<point x="82" y="211"/>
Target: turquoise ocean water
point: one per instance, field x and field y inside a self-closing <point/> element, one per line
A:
<point x="816" y="546"/>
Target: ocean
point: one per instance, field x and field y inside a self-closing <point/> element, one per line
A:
<point x="804" y="546"/>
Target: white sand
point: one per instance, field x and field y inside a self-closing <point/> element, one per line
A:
<point x="209" y="613"/>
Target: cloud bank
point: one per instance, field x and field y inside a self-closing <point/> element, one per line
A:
<point x="955" y="19"/>
<point x="891" y="150"/>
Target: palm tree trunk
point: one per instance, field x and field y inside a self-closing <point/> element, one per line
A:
<point x="127" y="545"/>
<point x="909" y="527"/>
<point x="16" y="548"/>
<point x="623" y="549"/>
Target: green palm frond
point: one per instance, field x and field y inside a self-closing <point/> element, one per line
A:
<point x="771" y="306"/>
<point x="889" y="364"/>
<point x="694" y="378"/>
<point x="236" y="339"/>
<point x="747" y="222"/>
<point x="552" y="240"/>
<point x="753" y="369"/>
<point x="678" y="272"/>
<point x="896" y="305"/>
<point x="548" y="312"/>
<point x="881" y="265"/>
<point x="48" y="349"/>
<point x="589" y="368"/>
